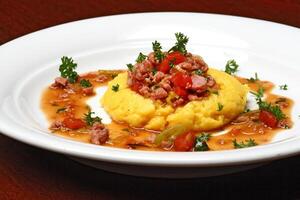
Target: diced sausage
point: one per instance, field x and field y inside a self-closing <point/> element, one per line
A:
<point x="210" y="81"/>
<point x="158" y="77"/>
<point x="61" y="81"/>
<point x="56" y="125"/>
<point x="99" y="134"/>
<point x="101" y="78"/>
<point x="88" y="91"/>
<point x="145" y="90"/>
<point x="159" y="93"/>
<point x="198" y="82"/>
<point x="178" y="102"/>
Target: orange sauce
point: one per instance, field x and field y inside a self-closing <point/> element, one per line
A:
<point x="59" y="103"/>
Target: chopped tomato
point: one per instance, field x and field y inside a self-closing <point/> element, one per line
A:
<point x="268" y="118"/>
<point x="181" y="80"/>
<point x="181" y="92"/>
<point x="73" y="123"/>
<point x="164" y="66"/>
<point x="174" y="57"/>
<point x="184" y="142"/>
<point x="235" y="131"/>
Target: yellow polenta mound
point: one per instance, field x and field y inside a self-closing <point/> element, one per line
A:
<point x="127" y="106"/>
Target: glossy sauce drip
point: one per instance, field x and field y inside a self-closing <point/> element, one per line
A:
<point x="59" y="103"/>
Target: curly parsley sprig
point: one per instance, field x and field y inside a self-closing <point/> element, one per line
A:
<point x="247" y="143"/>
<point x="85" y="83"/>
<point x="91" y="120"/>
<point x="67" y="69"/>
<point x="141" y="58"/>
<point x="201" y="142"/>
<point x="158" y="54"/>
<point x="231" y="67"/>
<point x="181" y="43"/>
<point x="263" y="105"/>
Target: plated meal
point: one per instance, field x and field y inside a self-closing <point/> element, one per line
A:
<point x="168" y="100"/>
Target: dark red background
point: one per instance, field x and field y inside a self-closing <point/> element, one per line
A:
<point x="30" y="173"/>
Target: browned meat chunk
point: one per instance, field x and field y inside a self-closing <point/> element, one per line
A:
<point x="99" y="134"/>
<point x="159" y="93"/>
<point x="88" y="91"/>
<point x="198" y="82"/>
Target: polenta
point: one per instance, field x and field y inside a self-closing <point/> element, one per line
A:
<point x="132" y="108"/>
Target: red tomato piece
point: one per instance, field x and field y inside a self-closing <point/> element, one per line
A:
<point x="184" y="142"/>
<point x="181" y="80"/>
<point x="174" y="57"/>
<point x="268" y="118"/>
<point x="181" y="92"/>
<point x="164" y="66"/>
<point x="73" y="123"/>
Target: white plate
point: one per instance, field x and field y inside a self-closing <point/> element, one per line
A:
<point x="29" y="64"/>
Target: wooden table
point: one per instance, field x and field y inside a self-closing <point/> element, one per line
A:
<point x="30" y="173"/>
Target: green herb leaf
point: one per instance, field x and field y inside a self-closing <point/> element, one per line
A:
<point x="154" y="71"/>
<point x="158" y="54"/>
<point x="231" y="67"/>
<point x="263" y="105"/>
<point x="130" y="67"/>
<point x="247" y="110"/>
<point x="85" y="83"/>
<point x="283" y="87"/>
<point x="247" y="143"/>
<point x="141" y="58"/>
<point x="91" y="120"/>
<point x="67" y="69"/>
<point x="258" y="95"/>
<point x="201" y="142"/>
<point x="253" y="80"/>
<point x="115" y="88"/>
<point x="198" y="72"/>
<point x="180" y="45"/>
<point x="220" y="107"/>
<point x="171" y="62"/>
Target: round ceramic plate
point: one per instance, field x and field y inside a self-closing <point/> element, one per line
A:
<point x="30" y="63"/>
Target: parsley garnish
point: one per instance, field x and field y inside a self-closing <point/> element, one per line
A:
<point x="247" y="110"/>
<point x="60" y="110"/>
<point x="130" y="67"/>
<point x="67" y="69"/>
<point x="91" y="120"/>
<point x="220" y="106"/>
<point x="258" y="95"/>
<point x="201" y="142"/>
<point x="171" y="63"/>
<point x="274" y="109"/>
<point x="85" y="83"/>
<point x="198" y="72"/>
<point x="141" y="58"/>
<point x="253" y="80"/>
<point x="115" y="88"/>
<point x="154" y="71"/>
<point x="231" y="67"/>
<point x="248" y="143"/>
<point x="180" y="45"/>
<point x="283" y="87"/>
<point x="158" y="54"/>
